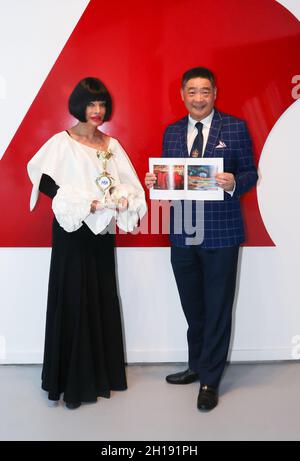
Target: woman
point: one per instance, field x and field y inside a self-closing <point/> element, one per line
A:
<point x="91" y="180"/>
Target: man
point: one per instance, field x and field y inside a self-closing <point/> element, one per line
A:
<point x="206" y="273"/>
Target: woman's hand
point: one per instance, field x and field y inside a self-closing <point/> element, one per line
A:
<point x="150" y="180"/>
<point x="96" y="206"/>
<point x="122" y="204"/>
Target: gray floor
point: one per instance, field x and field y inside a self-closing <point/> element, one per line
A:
<point x="258" y="402"/>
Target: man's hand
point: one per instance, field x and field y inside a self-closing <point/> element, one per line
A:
<point x="226" y="181"/>
<point x="150" y="180"/>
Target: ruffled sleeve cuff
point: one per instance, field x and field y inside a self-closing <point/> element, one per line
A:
<point x="128" y="219"/>
<point x="71" y="206"/>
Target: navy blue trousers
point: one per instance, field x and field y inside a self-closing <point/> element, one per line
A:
<point x="206" y="280"/>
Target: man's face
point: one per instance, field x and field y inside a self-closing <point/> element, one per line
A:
<point x="199" y="96"/>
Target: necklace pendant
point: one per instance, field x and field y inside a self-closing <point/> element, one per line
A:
<point x="104" y="182"/>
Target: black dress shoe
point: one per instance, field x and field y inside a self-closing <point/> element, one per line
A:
<point x="183" y="377"/>
<point x="207" y="398"/>
<point x="73" y="406"/>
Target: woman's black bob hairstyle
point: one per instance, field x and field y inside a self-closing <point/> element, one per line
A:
<point x="87" y="90"/>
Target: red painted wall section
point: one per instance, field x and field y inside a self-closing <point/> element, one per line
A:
<point x="140" y="50"/>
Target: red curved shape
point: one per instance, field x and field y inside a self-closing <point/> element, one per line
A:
<point x="140" y="49"/>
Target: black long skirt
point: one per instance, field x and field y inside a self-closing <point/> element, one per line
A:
<point x="83" y="356"/>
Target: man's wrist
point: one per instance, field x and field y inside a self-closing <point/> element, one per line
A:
<point x="231" y="192"/>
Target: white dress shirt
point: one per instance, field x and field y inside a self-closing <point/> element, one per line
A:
<point x="192" y="131"/>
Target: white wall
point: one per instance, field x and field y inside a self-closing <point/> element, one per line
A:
<point x="267" y="314"/>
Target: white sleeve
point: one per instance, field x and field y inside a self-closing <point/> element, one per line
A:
<point x="39" y="165"/>
<point x="130" y="188"/>
<point x="71" y="206"/>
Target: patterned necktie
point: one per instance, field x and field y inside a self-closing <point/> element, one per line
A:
<point x="196" y="150"/>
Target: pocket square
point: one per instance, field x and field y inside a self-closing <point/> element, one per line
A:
<point x="221" y="145"/>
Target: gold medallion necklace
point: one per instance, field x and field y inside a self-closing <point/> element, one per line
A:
<point x="104" y="181"/>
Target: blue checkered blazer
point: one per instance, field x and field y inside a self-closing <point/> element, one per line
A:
<point x="223" y="223"/>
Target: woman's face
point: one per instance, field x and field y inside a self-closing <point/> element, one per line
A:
<point x="95" y="112"/>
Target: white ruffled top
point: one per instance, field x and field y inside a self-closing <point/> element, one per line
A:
<point x="74" y="167"/>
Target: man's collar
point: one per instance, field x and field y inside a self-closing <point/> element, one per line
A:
<point x="206" y="121"/>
